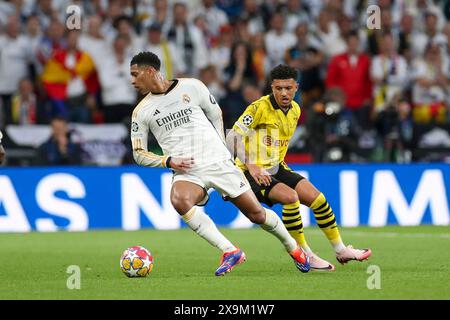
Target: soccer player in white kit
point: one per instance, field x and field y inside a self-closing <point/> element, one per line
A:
<point x="187" y="123"/>
<point x="2" y="151"/>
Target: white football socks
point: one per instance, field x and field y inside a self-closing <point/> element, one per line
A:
<point x="202" y="224"/>
<point x="338" y="245"/>
<point x="275" y="226"/>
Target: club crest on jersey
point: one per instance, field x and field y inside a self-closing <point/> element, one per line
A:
<point x="267" y="140"/>
<point x="134" y="127"/>
<point x="247" y="120"/>
<point x="186" y="98"/>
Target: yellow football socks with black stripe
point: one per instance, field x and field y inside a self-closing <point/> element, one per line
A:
<point x="293" y="223"/>
<point x="327" y="222"/>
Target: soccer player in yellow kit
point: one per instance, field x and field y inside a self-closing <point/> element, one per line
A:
<point x="260" y="140"/>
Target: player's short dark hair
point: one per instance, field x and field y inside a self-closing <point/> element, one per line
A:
<point x="146" y="58"/>
<point x="283" y="71"/>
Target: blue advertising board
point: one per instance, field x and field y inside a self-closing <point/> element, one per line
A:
<point x="130" y="198"/>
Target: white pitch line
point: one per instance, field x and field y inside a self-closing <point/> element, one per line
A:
<point x="388" y="234"/>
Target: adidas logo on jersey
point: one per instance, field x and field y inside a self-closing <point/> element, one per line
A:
<point x="156" y="112"/>
<point x="242" y="185"/>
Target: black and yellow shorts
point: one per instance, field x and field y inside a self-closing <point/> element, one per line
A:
<point x="284" y="175"/>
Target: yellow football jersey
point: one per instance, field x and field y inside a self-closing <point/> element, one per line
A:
<point x="267" y="130"/>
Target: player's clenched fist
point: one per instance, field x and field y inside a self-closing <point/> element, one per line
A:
<point x="181" y="163"/>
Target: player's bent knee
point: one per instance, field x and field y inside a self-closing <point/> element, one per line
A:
<point x="290" y="197"/>
<point x="181" y="203"/>
<point x="257" y="216"/>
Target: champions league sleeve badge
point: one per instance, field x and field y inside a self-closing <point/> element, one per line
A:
<point x="247" y="120"/>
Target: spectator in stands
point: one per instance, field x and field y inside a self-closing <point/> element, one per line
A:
<point x="446" y="32"/>
<point x="375" y="35"/>
<point x="242" y="31"/>
<point x="431" y="33"/>
<point x="113" y="12"/>
<point x="52" y="41"/>
<point x="430" y="88"/>
<point x="406" y="36"/>
<point x="295" y="13"/>
<point x="327" y="32"/>
<point x="59" y="149"/>
<point x="237" y="73"/>
<point x="260" y="61"/>
<point x="15" y="58"/>
<point x="45" y="11"/>
<point x="33" y="32"/>
<point x="24" y="107"/>
<point x="69" y="78"/>
<point x="159" y="13"/>
<point x="188" y="40"/>
<point x="307" y="58"/>
<point x="95" y="7"/>
<point x="93" y="42"/>
<point x="252" y="13"/>
<point x="172" y="65"/>
<point x="350" y="72"/>
<point x="345" y="24"/>
<point x="202" y="25"/>
<point x="118" y="95"/>
<point x="277" y="40"/>
<point x="233" y="8"/>
<point x="395" y="127"/>
<point x="124" y="27"/>
<point x="10" y="8"/>
<point x="388" y="73"/>
<point x="221" y="52"/>
<point x="215" y="17"/>
<point x="240" y="68"/>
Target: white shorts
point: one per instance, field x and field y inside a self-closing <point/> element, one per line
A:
<point x="224" y="177"/>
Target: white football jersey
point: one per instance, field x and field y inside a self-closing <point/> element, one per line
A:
<point x="1" y="137"/>
<point x="186" y="121"/>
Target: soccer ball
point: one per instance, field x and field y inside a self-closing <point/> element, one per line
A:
<point x="136" y="262"/>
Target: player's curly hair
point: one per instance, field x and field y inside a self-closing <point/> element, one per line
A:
<point x="146" y="58"/>
<point x="283" y="71"/>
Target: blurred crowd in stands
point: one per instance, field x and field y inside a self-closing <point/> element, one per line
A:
<point x="367" y="95"/>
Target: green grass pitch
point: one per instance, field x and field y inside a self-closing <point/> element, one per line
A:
<point x="413" y="264"/>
